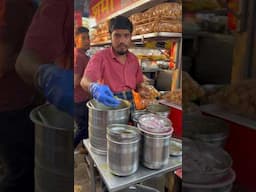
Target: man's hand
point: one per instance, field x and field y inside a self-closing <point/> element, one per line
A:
<point x="103" y="94"/>
<point x="57" y="86"/>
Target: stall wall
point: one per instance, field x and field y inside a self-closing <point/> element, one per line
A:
<point x="213" y="63"/>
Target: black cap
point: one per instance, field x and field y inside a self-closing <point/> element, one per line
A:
<point x="120" y="22"/>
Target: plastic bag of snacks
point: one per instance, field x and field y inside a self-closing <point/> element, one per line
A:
<point x="147" y="95"/>
<point x="174" y="96"/>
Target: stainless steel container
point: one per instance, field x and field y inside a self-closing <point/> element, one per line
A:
<point x="203" y="163"/>
<point x="156" y="132"/>
<point x="155" y="151"/>
<point x="223" y="185"/>
<point x="54" y="149"/>
<point x="100" y="116"/>
<point x="206" y="129"/>
<point x="123" y="142"/>
<point x="136" y="114"/>
<point x="159" y="109"/>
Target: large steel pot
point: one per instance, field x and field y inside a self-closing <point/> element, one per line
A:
<point x="136" y="114"/>
<point x="100" y="116"/>
<point x="123" y="143"/>
<point x="159" y="109"/>
<point x="156" y="132"/>
<point x="206" y="129"/>
<point x="155" y="151"/>
<point x="203" y="163"/>
<point x="223" y="185"/>
<point x="54" y="149"/>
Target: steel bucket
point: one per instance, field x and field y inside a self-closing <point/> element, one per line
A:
<point x="206" y="129"/>
<point x="159" y="109"/>
<point x="100" y="117"/>
<point x="123" y="149"/>
<point x="155" y="151"/>
<point x="54" y="162"/>
<point x="155" y="142"/>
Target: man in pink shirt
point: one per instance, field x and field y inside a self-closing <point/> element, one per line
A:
<point x="46" y="59"/>
<point x="45" y="62"/>
<point x="82" y="44"/>
<point x="16" y="101"/>
<point x="114" y="71"/>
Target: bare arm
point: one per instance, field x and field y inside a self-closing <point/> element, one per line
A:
<point x="85" y="83"/>
<point x="27" y="65"/>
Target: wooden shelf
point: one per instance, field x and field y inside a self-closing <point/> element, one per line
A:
<point x="135" y="7"/>
<point x="156" y="35"/>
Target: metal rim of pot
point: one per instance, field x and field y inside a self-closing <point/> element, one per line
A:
<point x="113" y="135"/>
<point x="137" y="114"/>
<point x="155" y="134"/>
<point x="154" y="108"/>
<point x="91" y="106"/>
<point x="33" y="113"/>
<point x="140" y="126"/>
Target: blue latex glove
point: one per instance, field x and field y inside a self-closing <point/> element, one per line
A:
<point x="57" y="86"/>
<point x="103" y="94"/>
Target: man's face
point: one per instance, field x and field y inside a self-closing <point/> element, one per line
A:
<point x="121" y="39"/>
<point x="82" y="41"/>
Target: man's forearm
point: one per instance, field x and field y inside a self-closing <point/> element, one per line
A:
<point x="27" y="65"/>
<point x="85" y="84"/>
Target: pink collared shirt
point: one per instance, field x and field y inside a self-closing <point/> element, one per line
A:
<point x="51" y="32"/>
<point x="105" y="68"/>
<point x="80" y="63"/>
<point x="15" y="17"/>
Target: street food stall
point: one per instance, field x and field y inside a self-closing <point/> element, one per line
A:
<point x="156" y="41"/>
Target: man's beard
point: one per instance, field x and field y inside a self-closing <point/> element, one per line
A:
<point x="121" y="52"/>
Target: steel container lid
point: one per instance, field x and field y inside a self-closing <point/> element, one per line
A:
<point x="123" y="133"/>
<point x="155" y="124"/>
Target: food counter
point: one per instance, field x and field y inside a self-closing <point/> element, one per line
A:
<point x="115" y="183"/>
<point x="242" y="138"/>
